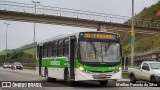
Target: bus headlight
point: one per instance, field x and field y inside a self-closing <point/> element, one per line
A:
<point x="81" y="68"/>
<point x="120" y="68"/>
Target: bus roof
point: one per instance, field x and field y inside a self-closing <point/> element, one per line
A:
<point x="67" y="35"/>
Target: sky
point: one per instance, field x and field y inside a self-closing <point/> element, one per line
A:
<point x="21" y="33"/>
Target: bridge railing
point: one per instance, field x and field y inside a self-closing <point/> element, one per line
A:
<point x="72" y="13"/>
<point x="147" y="52"/>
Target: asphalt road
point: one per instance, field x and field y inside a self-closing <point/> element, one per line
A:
<point x="31" y="75"/>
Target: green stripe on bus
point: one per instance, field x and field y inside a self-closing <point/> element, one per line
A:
<point x="62" y="63"/>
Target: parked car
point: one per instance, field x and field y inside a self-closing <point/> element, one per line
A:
<point x="7" y="65"/>
<point x="17" y="65"/>
<point x="148" y="71"/>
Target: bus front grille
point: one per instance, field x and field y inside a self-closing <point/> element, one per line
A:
<point x="101" y="76"/>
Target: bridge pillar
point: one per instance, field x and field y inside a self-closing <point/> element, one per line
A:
<point x="102" y="27"/>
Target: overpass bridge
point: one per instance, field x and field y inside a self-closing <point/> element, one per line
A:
<point x="62" y="16"/>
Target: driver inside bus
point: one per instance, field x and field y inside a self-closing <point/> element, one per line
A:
<point x="111" y="52"/>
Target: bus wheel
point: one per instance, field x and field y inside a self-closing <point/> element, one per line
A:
<point x="103" y="83"/>
<point x="66" y="78"/>
<point x="48" y="79"/>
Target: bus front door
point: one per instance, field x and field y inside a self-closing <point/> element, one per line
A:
<point x="40" y="60"/>
<point x="72" y="56"/>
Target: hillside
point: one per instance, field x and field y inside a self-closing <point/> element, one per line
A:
<point x="143" y="42"/>
<point x="26" y="48"/>
<point x="150" y="12"/>
<point x="23" y="52"/>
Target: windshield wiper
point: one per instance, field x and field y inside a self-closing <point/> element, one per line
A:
<point x="107" y="47"/>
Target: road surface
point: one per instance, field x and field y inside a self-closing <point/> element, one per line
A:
<point x="31" y="75"/>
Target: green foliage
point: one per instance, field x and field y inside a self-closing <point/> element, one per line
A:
<point x="143" y="42"/>
<point x="16" y="55"/>
<point x="125" y="75"/>
<point x="4" y="52"/>
<point x="2" y="57"/>
<point x="29" y="51"/>
<point x="150" y="13"/>
<point x="26" y="48"/>
<point x="23" y="52"/>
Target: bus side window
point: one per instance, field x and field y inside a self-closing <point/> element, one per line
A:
<point x="60" y="48"/>
<point x="45" y="50"/>
<point x="75" y="48"/>
<point x="54" y="47"/>
<point x="49" y="49"/>
<point x="46" y="46"/>
<point x="66" y="47"/>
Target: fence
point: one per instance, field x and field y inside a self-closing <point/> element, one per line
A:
<point x="78" y="14"/>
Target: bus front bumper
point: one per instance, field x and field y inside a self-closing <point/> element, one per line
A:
<point x="83" y="76"/>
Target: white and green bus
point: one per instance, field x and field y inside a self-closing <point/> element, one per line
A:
<point x="82" y="56"/>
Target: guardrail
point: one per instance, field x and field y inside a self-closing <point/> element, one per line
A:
<point x="146" y="52"/>
<point x="72" y="13"/>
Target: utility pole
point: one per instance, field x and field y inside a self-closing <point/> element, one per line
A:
<point x="34" y="35"/>
<point x="6" y="38"/>
<point x="132" y="35"/>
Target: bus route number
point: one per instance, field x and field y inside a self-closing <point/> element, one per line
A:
<point x="57" y="63"/>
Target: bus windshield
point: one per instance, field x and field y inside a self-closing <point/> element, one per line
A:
<point x="91" y="51"/>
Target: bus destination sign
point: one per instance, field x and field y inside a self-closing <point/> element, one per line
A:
<point x="98" y="36"/>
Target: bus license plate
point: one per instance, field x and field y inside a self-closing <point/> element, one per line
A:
<point x="102" y="75"/>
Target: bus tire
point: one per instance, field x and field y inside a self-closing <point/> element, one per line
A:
<point x="103" y="83"/>
<point x="66" y="78"/>
<point x="48" y="79"/>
